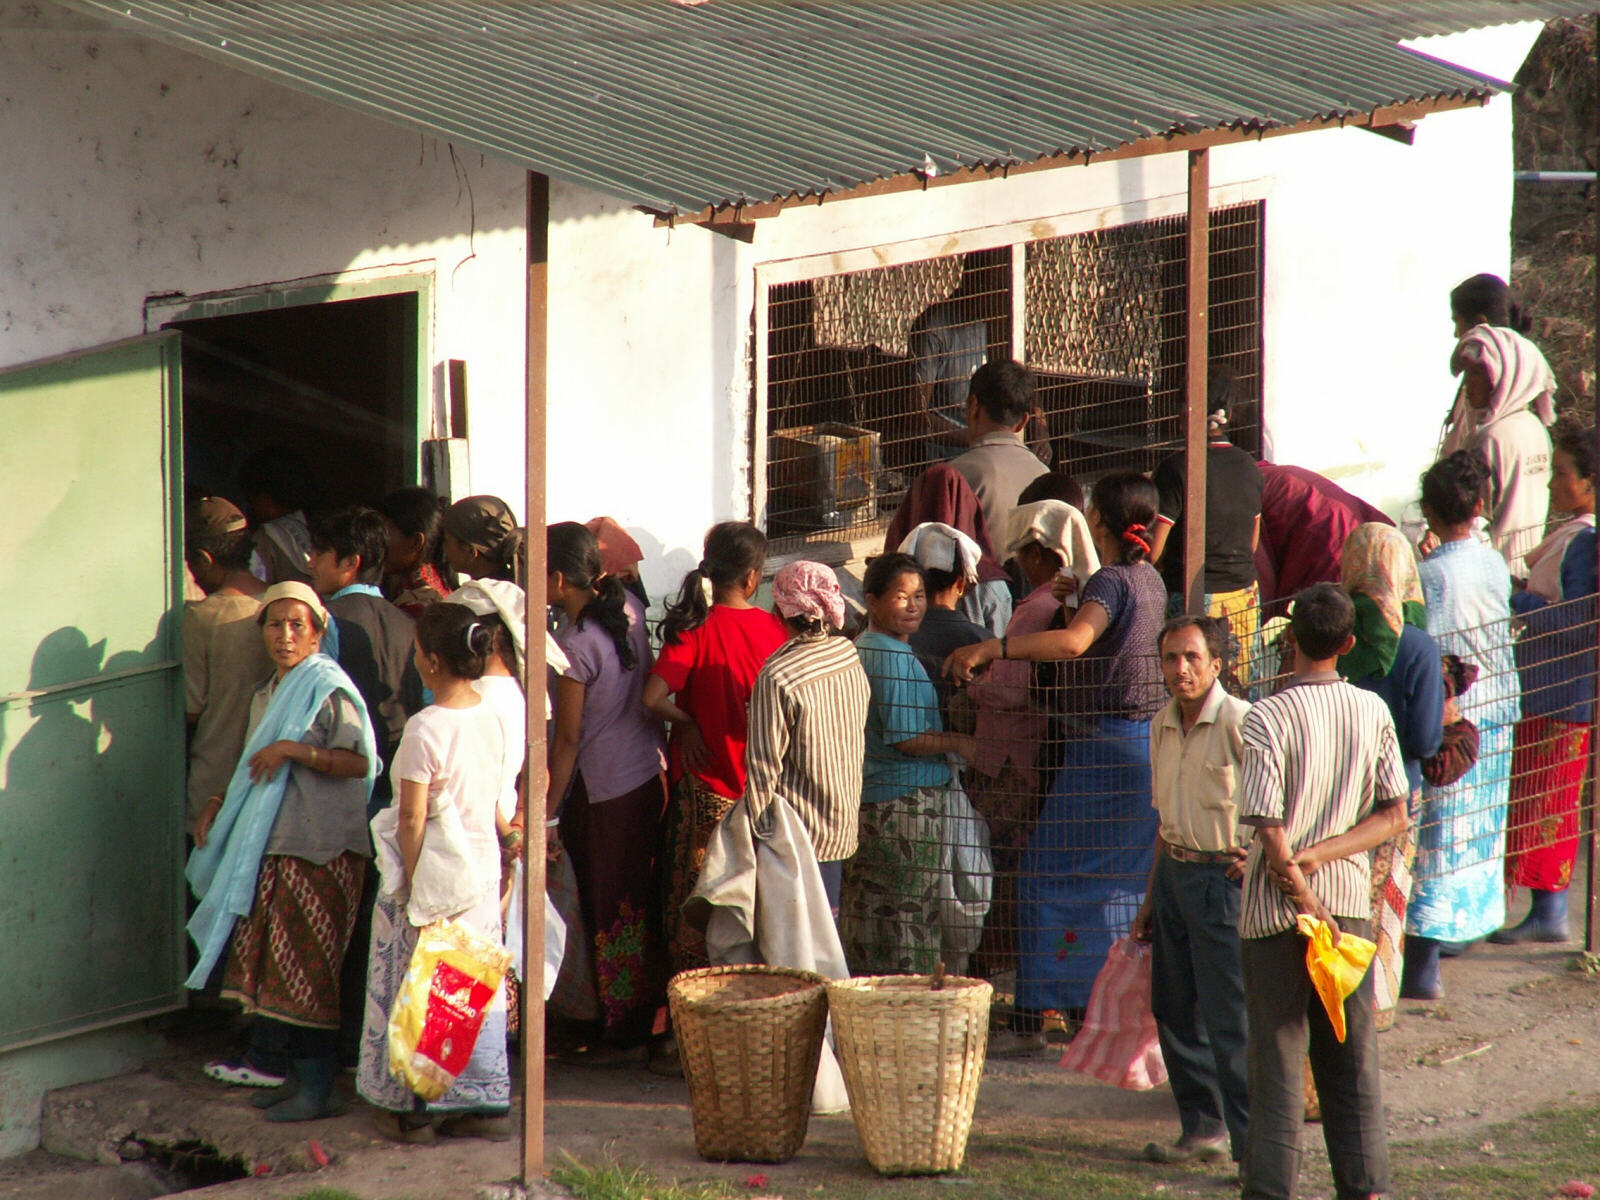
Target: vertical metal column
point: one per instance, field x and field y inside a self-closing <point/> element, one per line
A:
<point x="1591" y="922"/>
<point x="535" y="775"/>
<point x="1198" y="296"/>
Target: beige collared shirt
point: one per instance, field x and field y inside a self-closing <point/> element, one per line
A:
<point x="1195" y="775"/>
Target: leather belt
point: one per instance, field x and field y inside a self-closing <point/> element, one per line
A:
<point x="1185" y="855"/>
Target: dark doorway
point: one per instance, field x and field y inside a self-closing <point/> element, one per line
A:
<point x="335" y="382"/>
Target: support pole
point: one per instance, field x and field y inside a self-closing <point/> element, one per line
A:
<point x="1196" y="350"/>
<point x="535" y="774"/>
<point x="1591" y="921"/>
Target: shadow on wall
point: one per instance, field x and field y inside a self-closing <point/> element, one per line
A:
<point x="662" y="569"/>
<point x="91" y="835"/>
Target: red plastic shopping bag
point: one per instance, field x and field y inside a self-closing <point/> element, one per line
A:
<point x="1118" y="1042"/>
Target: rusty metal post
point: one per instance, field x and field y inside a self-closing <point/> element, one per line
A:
<point x="1196" y="353"/>
<point x="1591" y="921"/>
<point x="536" y="775"/>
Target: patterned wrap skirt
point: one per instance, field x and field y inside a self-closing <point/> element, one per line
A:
<point x="890" y="914"/>
<point x="692" y="813"/>
<point x="1084" y="872"/>
<point x="285" y="957"/>
<point x="1391" y="893"/>
<point x="615" y="850"/>
<point x="1242" y="611"/>
<point x="1010" y="803"/>
<point x="1548" y="764"/>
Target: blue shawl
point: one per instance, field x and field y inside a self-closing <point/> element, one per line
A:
<point x="223" y="872"/>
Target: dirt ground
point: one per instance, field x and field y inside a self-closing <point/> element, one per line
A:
<point x="1517" y="1034"/>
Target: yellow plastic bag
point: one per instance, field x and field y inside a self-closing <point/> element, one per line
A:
<point x="1336" y="971"/>
<point x="447" y="989"/>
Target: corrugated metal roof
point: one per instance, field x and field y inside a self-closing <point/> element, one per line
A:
<point x="677" y="107"/>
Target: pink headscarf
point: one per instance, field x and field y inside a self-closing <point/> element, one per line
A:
<point x="619" y="553"/>
<point x="808" y="589"/>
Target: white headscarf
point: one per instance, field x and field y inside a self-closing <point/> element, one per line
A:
<point x="1057" y="526"/>
<point x="943" y="548"/>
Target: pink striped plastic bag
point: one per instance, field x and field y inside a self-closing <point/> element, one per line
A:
<point x="1118" y="1042"/>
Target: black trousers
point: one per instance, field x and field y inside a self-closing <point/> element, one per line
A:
<point x="1197" y="997"/>
<point x="1287" y="1022"/>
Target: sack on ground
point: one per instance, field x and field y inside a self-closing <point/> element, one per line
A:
<point x="448" y="987"/>
<point x="1118" y="1043"/>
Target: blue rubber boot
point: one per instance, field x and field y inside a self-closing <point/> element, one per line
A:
<point x="1546" y="922"/>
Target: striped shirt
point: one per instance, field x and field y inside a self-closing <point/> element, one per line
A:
<point x="1319" y="757"/>
<point x="808" y="721"/>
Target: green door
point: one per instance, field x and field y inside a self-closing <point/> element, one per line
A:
<point x="91" y="691"/>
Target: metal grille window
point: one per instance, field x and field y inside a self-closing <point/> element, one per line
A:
<point x="866" y="372"/>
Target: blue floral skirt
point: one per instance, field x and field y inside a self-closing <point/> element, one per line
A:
<point x="1084" y="872"/>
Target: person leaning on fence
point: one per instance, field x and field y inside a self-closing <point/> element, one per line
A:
<point x="1461" y="833"/>
<point x="890" y="909"/>
<point x="1395" y="657"/>
<point x="1083" y="874"/>
<point x="1190" y="913"/>
<point x="942" y="494"/>
<point x="808" y="720"/>
<point x="1555" y="660"/>
<point x="1305" y="520"/>
<point x="1322" y="782"/>
<point x="1503" y="410"/>
<point x="1047" y="540"/>
<point x="714" y="642"/>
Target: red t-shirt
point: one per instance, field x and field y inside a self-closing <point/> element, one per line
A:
<point x="711" y="671"/>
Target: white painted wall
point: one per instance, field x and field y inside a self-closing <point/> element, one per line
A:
<point x="1365" y="238"/>
<point x="133" y="170"/>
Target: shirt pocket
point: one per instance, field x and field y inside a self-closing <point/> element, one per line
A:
<point x="1220" y="781"/>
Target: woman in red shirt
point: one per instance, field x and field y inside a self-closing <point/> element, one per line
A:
<point x="714" y="642"/>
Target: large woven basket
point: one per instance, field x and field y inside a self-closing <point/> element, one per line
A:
<point x="912" y="1057"/>
<point x="749" y="1038"/>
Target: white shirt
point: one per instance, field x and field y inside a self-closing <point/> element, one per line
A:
<point x="504" y="695"/>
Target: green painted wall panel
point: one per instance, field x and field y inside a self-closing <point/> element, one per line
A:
<point x="91" y="721"/>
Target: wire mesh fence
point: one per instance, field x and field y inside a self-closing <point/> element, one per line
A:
<point x="1025" y="861"/>
<point x="867" y="372"/>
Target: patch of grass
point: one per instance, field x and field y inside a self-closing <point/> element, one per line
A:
<point x="327" y="1193"/>
<point x="1528" y="1159"/>
<point x="1532" y="1157"/>
<point x="613" y="1181"/>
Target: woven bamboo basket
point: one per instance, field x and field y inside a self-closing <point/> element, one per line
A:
<point x="912" y="1056"/>
<point x="749" y="1038"/>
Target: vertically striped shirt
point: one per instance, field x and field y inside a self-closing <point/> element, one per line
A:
<point x="1319" y="756"/>
<point x="808" y="721"/>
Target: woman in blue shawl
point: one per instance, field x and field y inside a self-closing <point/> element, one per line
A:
<point x="278" y="861"/>
<point x="1084" y="870"/>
